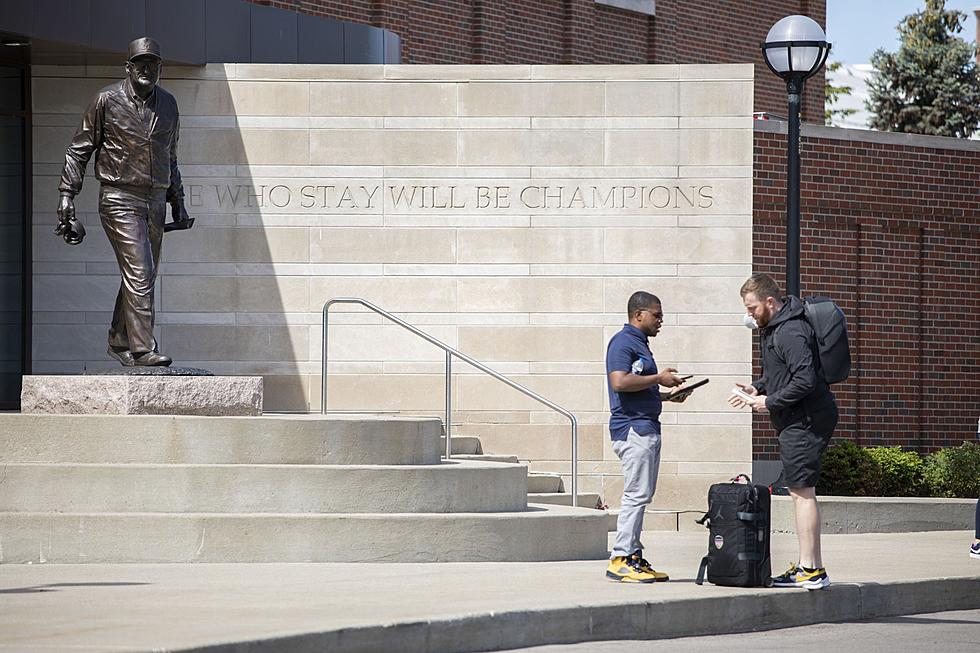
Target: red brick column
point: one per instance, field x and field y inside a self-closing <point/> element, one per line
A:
<point x="489" y="32"/>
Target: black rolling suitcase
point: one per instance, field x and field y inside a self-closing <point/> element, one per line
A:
<point x="738" y="540"/>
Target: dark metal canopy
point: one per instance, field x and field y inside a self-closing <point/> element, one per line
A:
<point x="189" y="32"/>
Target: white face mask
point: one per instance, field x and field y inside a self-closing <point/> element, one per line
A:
<point x="749" y="321"/>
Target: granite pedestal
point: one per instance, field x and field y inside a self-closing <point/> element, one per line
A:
<point x="143" y="391"/>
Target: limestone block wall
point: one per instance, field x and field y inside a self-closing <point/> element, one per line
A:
<point x="508" y="210"/>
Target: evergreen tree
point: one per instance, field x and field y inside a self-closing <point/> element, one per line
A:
<point x="931" y="85"/>
<point x="831" y="94"/>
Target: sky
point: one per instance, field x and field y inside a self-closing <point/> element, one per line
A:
<point x="857" y="28"/>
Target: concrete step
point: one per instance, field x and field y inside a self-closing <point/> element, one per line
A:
<point x="683" y="521"/>
<point x="184" y="439"/>
<point x="462" y="444"/>
<point x="455" y="486"/>
<point x="540" y="533"/>
<point x="538" y="482"/>
<point x="850" y="515"/>
<point x="585" y="500"/>
<point x="488" y="458"/>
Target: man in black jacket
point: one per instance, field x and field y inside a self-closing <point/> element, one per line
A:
<point x="131" y="128"/>
<point x="801" y="408"/>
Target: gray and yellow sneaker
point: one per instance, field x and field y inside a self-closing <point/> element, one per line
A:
<point x="627" y="570"/>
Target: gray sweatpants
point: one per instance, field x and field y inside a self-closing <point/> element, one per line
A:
<point x="640" y="455"/>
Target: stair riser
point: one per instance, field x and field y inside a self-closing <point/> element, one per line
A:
<point x="537" y="483"/>
<point x="452" y="487"/>
<point x="463" y="444"/>
<point x="532" y="536"/>
<point x="555" y="499"/>
<point x="303" y="440"/>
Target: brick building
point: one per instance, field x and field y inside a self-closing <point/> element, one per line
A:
<point x="584" y="32"/>
<point x="891" y="230"/>
<point x="890" y="221"/>
<point x="890" y="227"/>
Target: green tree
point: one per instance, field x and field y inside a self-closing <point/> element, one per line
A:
<point x="831" y="94"/>
<point x="931" y="85"/>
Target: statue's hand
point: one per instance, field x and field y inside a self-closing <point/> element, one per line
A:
<point x="179" y="212"/>
<point x="68" y="226"/>
<point x="66" y="211"/>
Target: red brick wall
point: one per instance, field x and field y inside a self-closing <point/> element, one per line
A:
<point x="582" y="32"/>
<point x="892" y="233"/>
<point x="730" y="31"/>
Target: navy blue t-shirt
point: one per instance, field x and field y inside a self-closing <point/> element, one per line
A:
<point x="628" y="351"/>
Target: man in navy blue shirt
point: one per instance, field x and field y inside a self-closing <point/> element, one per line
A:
<point x="635" y="402"/>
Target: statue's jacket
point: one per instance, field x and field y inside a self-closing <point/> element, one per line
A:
<point x="135" y="144"/>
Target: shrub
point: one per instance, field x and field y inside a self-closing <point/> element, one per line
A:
<point x="954" y="472"/>
<point x="849" y="470"/>
<point x="901" y="471"/>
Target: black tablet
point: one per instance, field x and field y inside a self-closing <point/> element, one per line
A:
<point x="689" y="389"/>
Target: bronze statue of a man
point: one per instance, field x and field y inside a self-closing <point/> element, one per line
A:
<point x="131" y="127"/>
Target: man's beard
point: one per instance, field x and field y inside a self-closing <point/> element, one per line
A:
<point x="766" y="317"/>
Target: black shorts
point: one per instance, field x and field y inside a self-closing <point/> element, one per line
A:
<point x="801" y="444"/>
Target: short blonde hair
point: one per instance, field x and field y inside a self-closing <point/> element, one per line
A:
<point x="762" y="286"/>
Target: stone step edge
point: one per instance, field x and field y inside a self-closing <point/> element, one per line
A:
<point x="453" y="463"/>
<point x="680" y="518"/>
<point x="487" y="457"/>
<point x="534" y="511"/>
<point x="643" y="618"/>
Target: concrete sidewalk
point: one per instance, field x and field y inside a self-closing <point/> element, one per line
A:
<point x="463" y="606"/>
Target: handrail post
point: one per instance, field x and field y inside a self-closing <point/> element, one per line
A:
<point x="323" y="358"/>
<point x="449" y="405"/>
<point x="574" y="461"/>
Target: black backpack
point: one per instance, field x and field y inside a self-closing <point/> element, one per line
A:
<point x="830" y="329"/>
<point x="738" y="535"/>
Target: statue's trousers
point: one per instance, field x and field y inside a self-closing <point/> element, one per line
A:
<point x="133" y="220"/>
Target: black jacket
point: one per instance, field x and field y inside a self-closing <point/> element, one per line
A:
<point x="790" y="379"/>
<point x="132" y="147"/>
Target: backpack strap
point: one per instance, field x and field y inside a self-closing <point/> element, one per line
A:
<point x="751" y="516"/>
<point x="704" y="565"/>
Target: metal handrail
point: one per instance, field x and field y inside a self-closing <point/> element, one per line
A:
<point x="450" y="352"/>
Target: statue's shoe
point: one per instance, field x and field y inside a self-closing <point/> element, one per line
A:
<point x="124" y="356"/>
<point x="152" y="358"/>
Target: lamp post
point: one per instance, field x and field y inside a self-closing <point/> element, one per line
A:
<point x="795" y="49"/>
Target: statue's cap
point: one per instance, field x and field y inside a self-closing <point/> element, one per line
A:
<point x="144" y="46"/>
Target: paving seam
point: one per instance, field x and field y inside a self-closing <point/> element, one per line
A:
<point x="756" y="610"/>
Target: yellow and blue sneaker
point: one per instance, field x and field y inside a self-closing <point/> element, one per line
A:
<point x="797" y="576"/>
<point x="628" y="570"/>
